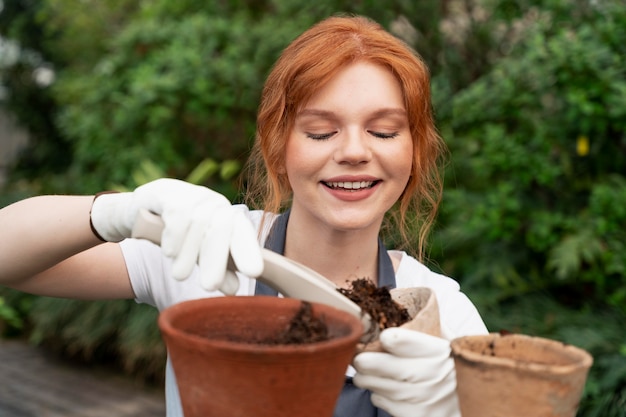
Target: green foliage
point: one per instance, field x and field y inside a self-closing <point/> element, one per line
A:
<point x="148" y="171"/>
<point x="534" y="221"/>
<point x="536" y="189"/>
<point x="24" y="52"/>
<point x="9" y="316"/>
<point x="17" y="306"/>
<point x="154" y="93"/>
<point x="115" y="331"/>
<point x="141" y="350"/>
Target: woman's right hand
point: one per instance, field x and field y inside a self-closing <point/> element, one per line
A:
<point x="201" y="226"/>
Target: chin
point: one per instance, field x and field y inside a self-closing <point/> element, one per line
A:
<point x="352" y="223"/>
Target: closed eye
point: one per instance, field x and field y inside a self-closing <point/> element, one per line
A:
<point x="320" y="136"/>
<point x="382" y="135"/>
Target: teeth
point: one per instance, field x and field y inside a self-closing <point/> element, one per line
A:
<point x="352" y="185"/>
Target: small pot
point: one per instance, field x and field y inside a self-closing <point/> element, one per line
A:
<point x="421" y="304"/>
<point x="222" y="370"/>
<point x="517" y="375"/>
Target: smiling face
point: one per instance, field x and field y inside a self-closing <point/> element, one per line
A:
<point x="349" y="154"/>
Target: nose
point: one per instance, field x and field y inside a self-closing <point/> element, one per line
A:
<point x="353" y="147"/>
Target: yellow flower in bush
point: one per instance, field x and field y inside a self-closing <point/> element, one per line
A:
<point x="582" y="145"/>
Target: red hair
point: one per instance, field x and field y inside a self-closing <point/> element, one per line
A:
<point x="306" y="65"/>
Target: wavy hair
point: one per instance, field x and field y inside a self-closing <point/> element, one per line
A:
<point x="306" y="65"/>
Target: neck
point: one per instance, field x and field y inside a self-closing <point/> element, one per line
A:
<point x="340" y="256"/>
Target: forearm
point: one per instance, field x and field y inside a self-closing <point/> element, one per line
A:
<point x="48" y="247"/>
<point x="39" y="232"/>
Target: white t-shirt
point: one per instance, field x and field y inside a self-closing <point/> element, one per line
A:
<point x="151" y="280"/>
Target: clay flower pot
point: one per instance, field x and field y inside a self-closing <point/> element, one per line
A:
<point x="222" y="370"/>
<point x="517" y="375"/>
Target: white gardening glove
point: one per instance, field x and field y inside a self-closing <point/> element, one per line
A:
<point x="200" y="226"/>
<point x="414" y="377"/>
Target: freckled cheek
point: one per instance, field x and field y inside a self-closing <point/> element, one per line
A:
<point x="299" y="163"/>
<point x="403" y="179"/>
<point x="403" y="164"/>
<point x="291" y="156"/>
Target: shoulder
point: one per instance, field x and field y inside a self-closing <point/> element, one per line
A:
<point x="458" y="314"/>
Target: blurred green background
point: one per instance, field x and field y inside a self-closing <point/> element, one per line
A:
<point x="530" y="96"/>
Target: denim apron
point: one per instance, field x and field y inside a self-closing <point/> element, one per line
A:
<point x="353" y="401"/>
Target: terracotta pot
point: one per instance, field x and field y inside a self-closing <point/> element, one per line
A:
<point x="517" y="375"/>
<point x="421" y="304"/>
<point x="220" y="377"/>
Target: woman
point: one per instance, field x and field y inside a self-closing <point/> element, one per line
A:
<point x="345" y="135"/>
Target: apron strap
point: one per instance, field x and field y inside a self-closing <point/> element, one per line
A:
<point x="276" y="243"/>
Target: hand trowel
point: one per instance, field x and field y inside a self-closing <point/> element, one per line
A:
<point x="288" y="277"/>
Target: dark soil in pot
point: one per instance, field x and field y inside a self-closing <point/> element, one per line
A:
<point x="377" y="302"/>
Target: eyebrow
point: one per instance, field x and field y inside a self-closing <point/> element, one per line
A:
<point x="317" y="113"/>
<point x="391" y="111"/>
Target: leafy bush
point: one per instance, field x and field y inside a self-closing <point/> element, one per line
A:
<point x="535" y="193"/>
<point x="533" y="221"/>
<point x="154" y="92"/>
<point x="121" y="332"/>
<point x="9" y="317"/>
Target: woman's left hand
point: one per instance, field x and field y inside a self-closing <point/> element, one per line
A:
<point x="415" y="376"/>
